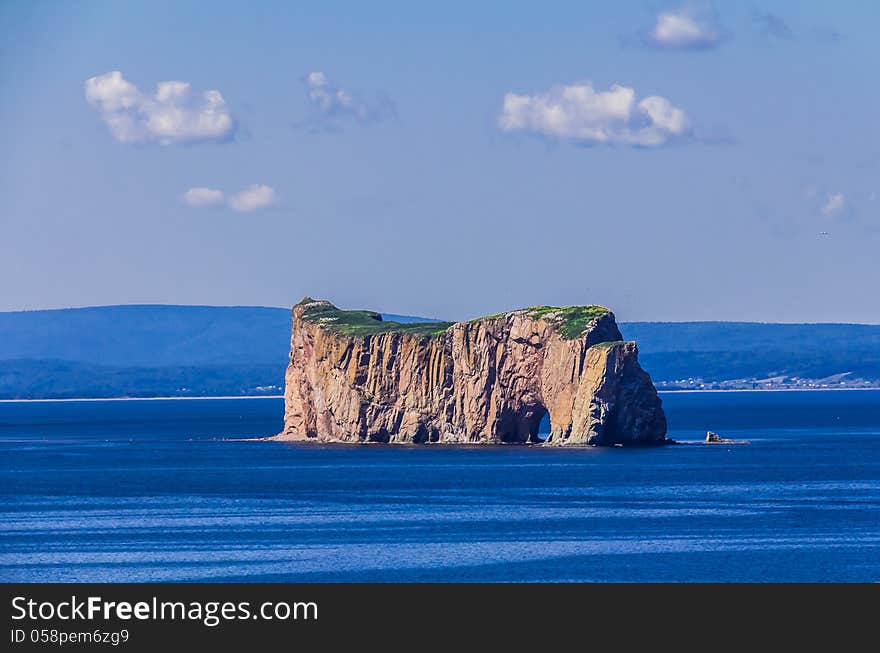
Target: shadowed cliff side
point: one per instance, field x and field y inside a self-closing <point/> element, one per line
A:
<point x="353" y="377"/>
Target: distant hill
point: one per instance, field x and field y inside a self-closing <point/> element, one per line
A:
<point x="146" y="350"/>
<point x="144" y="335"/>
<point x="54" y="379"/>
<point x="719" y="351"/>
<point x="657" y="337"/>
<point x="152" y="335"/>
<point x="161" y="350"/>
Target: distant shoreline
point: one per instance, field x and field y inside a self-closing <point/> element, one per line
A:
<point x="667" y="392"/>
<point x="673" y="392"/>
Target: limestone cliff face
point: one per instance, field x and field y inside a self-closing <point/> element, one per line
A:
<point x="353" y="378"/>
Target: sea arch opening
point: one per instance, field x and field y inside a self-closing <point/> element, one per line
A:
<point x="544" y="428"/>
<point x="529" y="424"/>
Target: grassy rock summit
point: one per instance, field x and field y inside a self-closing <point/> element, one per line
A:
<point x="353" y="377"/>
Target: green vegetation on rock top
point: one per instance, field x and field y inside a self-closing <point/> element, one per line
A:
<point x="609" y="344"/>
<point x="364" y="323"/>
<point x="571" y="320"/>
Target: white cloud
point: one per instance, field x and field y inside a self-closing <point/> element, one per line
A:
<point x="202" y="197"/>
<point x="583" y="115"/>
<point x="331" y="102"/>
<point x="836" y="206"/>
<point x="329" y="99"/>
<point x="256" y="196"/>
<point x="173" y="114"/>
<point x="683" y="29"/>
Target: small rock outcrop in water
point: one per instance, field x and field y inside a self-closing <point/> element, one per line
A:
<point x="714" y="438"/>
<point x="354" y="378"/>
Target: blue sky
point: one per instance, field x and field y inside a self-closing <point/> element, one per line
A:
<point x="672" y="161"/>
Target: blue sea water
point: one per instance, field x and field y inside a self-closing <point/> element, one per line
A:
<point x="167" y="491"/>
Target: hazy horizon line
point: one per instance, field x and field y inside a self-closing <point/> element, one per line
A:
<point x="289" y="308"/>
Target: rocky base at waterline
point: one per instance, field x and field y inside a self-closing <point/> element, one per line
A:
<point x="353" y="377"/>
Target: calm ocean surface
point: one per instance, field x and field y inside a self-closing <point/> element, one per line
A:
<point x="151" y="491"/>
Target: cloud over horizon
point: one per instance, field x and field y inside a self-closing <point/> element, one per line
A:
<point x="580" y="114"/>
<point x="836" y="206"/>
<point x="255" y="196"/>
<point x="201" y="196"/>
<point x="683" y="29"/>
<point x="330" y="103"/>
<point x="173" y="114"/>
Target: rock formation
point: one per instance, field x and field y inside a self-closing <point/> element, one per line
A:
<point x="714" y="438"/>
<point x="354" y="378"/>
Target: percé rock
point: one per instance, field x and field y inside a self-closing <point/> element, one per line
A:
<point x="354" y="378"/>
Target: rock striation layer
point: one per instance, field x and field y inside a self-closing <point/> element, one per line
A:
<point x="354" y="378"/>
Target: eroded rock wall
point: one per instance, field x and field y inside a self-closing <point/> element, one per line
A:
<point x="485" y="381"/>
